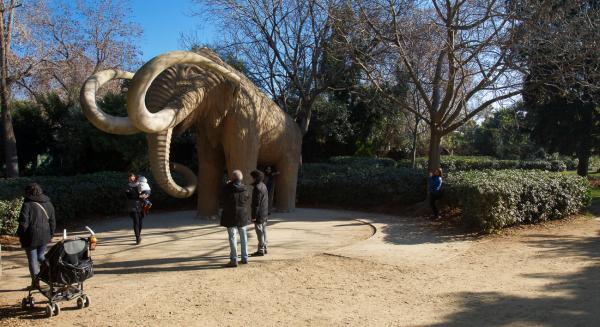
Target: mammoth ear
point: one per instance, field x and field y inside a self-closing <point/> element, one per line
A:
<point x="219" y="101"/>
<point x="213" y="104"/>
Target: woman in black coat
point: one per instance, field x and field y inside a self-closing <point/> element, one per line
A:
<point x="36" y="226"/>
<point x="134" y="206"/>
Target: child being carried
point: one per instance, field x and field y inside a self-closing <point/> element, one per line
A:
<point x="145" y="191"/>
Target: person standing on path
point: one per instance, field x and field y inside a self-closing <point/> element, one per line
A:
<point x="269" y="181"/>
<point x="235" y="216"/>
<point x="260" y="211"/>
<point x="134" y="206"/>
<point x="36" y="227"/>
<point x="435" y="190"/>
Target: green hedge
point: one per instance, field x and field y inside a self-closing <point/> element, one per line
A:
<point x="9" y="216"/>
<point x="362" y="161"/>
<point x="359" y="185"/>
<point x="460" y="163"/>
<point x="493" y="199"/>
<point x="74" y="197"/>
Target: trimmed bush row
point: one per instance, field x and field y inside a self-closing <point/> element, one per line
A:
<point x="459" y="163"/>
<point x="359" y="186"/>
<point x="9" y="216"/>
<point x="493" y="199"/>
<point x="363" y="161"/>
<point x="488" y="199"/>
<point x="98" y="194"/>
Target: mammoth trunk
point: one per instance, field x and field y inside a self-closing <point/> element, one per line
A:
<point x="159" y="146"/>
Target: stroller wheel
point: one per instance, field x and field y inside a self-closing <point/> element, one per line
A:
<point x="80" y="303"/>
<point x="86" y="301"/>
<point x="27" y="303"/>
<point x="49" y="310"/>
<point x="56" y="308"/>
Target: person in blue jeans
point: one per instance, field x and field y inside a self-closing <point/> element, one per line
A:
<point x="36" y="227"/>
<point x="435" y="190"/>
<point x="259" y="212"/>
<point x="235" y="216"/>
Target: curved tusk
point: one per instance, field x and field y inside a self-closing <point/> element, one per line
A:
<point x="159" y="148"/>
<point x="100" y="119"/>
<point x="167" y="118"/>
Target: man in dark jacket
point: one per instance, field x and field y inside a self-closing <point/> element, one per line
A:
<point x="235" y="216"/>
<point x="260" y="211"/>
<point x="36" y="226"/>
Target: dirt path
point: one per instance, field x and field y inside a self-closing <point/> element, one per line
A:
<point x="327" y="268"/>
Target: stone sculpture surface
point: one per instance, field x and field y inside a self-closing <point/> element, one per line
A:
<point x="237" y="125"/>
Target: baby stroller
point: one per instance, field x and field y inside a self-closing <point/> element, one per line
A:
<point x="67" y="265"/>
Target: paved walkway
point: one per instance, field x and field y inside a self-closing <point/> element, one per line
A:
<point x="177" y="241"/>
<point x="330" y="268"/>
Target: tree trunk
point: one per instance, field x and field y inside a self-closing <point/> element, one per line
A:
<point x="434" y="150"/>
<point x="583" y="154"/>
<point x="584" y="150"/>
<point x="413" y="158"/>
<point x="8" y="134"/>
<point x="306" y="113"/>
<point x="583" y="165"/>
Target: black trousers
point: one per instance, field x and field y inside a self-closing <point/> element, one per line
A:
<point x="434" y="196"/>
<point x="137" y="217"/>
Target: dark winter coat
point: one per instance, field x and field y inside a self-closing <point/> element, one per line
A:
<point x="132" y="193"/>
<point x="235" y="205"/>
<point x="260" y="203"/>
<point x="35" y="229"/>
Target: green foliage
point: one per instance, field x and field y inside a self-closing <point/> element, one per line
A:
<point x="493" y="199"/>
<point x="362" y="161"/>
<point x="9" y="216"/>
<point x="461" y="163"/>
<point x="32" y="132"/>
<point x="560" y="124"/>
<point x="502" y="135"/>
<point x="360" y="182"/>
<point x="80" y="196"/>
<point x="58" y="132"/>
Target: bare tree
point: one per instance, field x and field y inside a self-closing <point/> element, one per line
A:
<point x="415" y="129"/>
<point x="53" y="47"/>
<point x="557" y="46"/>
<point x="80" y="39"/>
<point x="454" y="52"/>
<point x="282" y="42"/>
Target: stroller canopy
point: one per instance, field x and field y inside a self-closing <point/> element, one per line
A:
<point x="67" y="262"/>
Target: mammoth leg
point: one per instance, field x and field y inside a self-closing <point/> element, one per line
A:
<point x="285" y="185"/>
<point x="244" y="157"/>
<point x="210" y="176"/>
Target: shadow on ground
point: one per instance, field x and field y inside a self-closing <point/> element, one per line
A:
<point x="420" y="230"/>
<point x="569" y="300"/>
<point x="15" y="311"/>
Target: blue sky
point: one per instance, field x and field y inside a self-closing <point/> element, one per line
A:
<point x="163" y="21"/>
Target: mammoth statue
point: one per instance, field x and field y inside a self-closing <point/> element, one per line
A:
<point x="236" y="124"/>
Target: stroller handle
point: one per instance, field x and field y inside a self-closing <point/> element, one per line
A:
<point x="90" y="230"/>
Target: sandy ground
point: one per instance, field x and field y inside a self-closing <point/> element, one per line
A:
<point x="330" y="268"/>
